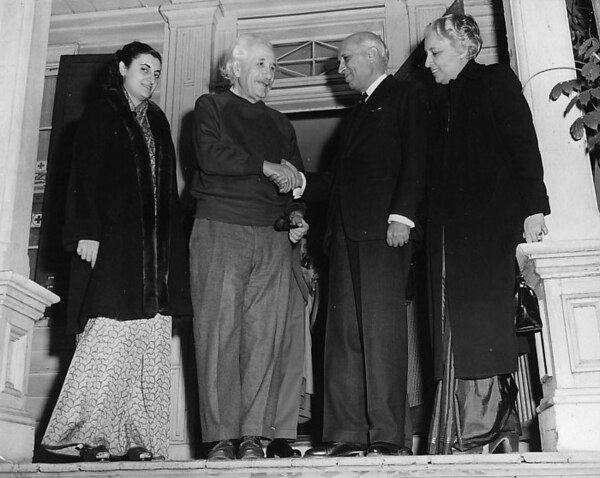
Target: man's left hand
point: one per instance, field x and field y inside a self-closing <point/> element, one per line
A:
<point x="297" y="233"/>
<point x="397" y="234"/>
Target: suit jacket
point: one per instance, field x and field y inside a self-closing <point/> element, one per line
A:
<point x="380" y="166"/>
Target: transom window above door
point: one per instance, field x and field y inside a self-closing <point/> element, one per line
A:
<point x="306" y="59"/>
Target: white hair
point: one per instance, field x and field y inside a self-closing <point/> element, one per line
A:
<point x="238" y="51"/>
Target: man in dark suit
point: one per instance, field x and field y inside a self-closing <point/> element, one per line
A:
<point x="374" y="190"/>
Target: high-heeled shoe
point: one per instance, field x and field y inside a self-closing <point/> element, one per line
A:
<point x="507" y="442"/>
<point x="93" y="453"/>
<point x="477" y="450"/>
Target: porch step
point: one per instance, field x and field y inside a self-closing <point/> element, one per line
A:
<point x="499" y="466"/>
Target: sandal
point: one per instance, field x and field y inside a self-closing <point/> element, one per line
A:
<point x="93" y="453"/>
<point x="138" y="453"/>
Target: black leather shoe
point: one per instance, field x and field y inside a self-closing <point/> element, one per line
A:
<point x="138" y="453"/>
<point x="280" y="448"/>
<point x="336" y="449"/>
<point x="223" y="450"/>
<point x="380" y="448"/>
<point x="250" y="448"/>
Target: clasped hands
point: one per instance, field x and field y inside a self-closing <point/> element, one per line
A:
<point x="285" y="175"/>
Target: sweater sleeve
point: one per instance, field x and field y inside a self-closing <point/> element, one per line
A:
<point x="515" y="124"/>
<point x="216" y="155"/>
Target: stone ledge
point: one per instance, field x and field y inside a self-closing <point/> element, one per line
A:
<point x="576" y="464"/>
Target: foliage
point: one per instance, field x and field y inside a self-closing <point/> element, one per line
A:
<point x="584" y="90"/>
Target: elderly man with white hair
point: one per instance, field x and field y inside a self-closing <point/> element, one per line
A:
<point x="240" y="265"/>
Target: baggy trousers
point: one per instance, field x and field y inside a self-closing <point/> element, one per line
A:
<point x="291" y="367"/>
<point x="240" y="283"/>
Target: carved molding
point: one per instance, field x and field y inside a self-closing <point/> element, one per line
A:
<point x="188" y="59"/>
<point x="582" y="321"/>
<point x="268" y="8"/>
<point x="22" y="302"/>
<point x="560" y="259"/>
<point x="567" y="279"/>
<point x="190" y="14"/>
<point x="421" y="13"/>
<point x="316" y="94"/>
<point x="24" y="296"/>
<point x="16" y="342"/>
<point x="98" y="32"/>
<point x="54" y="54"/>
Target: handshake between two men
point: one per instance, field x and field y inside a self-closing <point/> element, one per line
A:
<point x="285" y="175"/>
<point x="287" y="178"/>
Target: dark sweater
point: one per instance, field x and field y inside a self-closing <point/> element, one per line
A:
<point x="232" y="138"/>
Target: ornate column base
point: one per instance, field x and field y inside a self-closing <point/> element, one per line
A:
<point x="22" y="302"/>
<point x="569" y="419"/>
<point x="566" y="277"/>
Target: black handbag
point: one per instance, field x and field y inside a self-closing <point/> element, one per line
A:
<point x="527" y="308"/>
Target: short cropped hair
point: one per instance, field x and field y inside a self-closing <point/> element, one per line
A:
<point x="238" y="51"/>
<point x="461" y="30"/>
<point x="371" y="40"/>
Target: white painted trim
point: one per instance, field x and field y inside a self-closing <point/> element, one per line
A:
<point x="266" y="8"/>
<point x="54" y="54"/>
<point x="94" y="30"/>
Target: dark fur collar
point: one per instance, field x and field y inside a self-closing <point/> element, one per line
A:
<point x="156" y="230"/>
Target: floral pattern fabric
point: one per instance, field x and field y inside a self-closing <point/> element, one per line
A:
<point x="117" y="389"/>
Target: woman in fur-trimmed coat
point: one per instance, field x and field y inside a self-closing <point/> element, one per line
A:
<point x="129" y="272"/>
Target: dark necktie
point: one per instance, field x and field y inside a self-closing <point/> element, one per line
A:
<point x="363" y="98"/>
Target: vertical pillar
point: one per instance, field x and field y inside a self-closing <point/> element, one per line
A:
<point x="397" y="33"/>
<point x="565" y="268"/>
<point x="188" y="66"/>
<point x="189" y="36"/>
<point x="24" y="25"/>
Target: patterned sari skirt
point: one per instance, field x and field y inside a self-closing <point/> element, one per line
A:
<point x="117" y="389"/>
<point x="469" y="414"/>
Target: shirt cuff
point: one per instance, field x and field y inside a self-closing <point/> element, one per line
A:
<point x="299" y="191"/>
<point x="402" y="219"/>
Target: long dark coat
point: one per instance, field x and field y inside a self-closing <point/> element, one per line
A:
<point x="485" y="177"/>
<point x="141" y="267"/>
